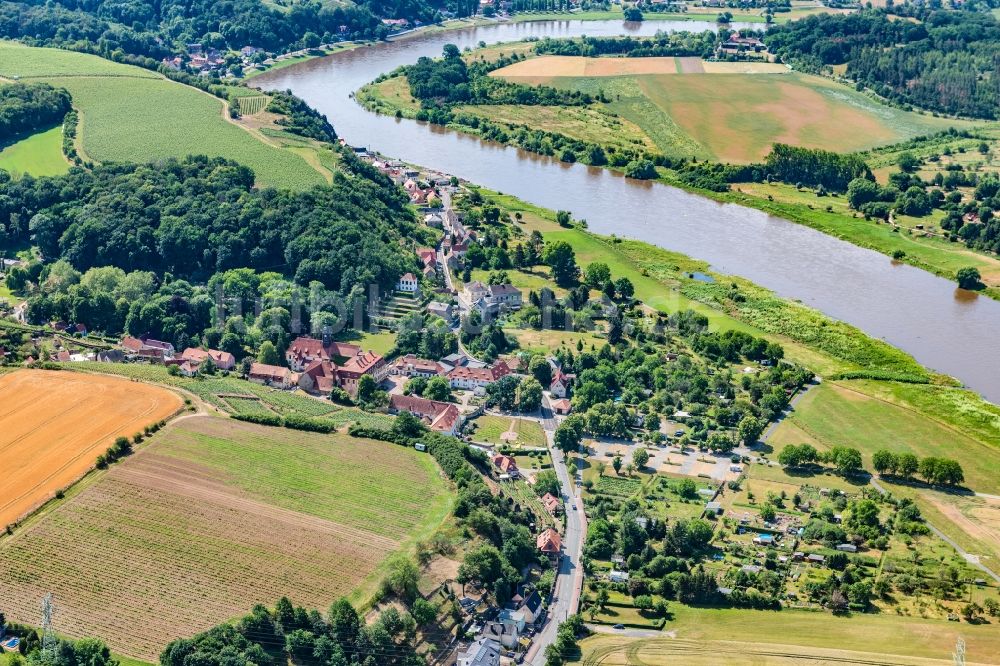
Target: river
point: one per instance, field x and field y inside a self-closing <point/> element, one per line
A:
<point x="946" y="329"/>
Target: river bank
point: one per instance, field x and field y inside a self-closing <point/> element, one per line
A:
<point x="390" y="95"/>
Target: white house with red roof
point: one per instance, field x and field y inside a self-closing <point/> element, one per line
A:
<point x="443" y="417"/>
<point x="472" y="378"/>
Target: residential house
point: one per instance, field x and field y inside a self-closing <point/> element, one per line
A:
<point x="271" y="375"/>
<point x="506" y="465"/>
<point x="439" y="309"/>
<point x="365" y="363"/>
<point x="559" y="386"/>
<point x="147" y="349"/>
<point x="504" y="633"/>
<point x="439" y="416"/>
<point x="434" y="220"/>
<point x="414" y="366"/>
<point x="222" y="360"/>
<point x="470" y="378"/>
<point x="484" y="652"/>
<point x="532" y="607"/>
<point x="408" y="283"/>
<point x="552" y="503"/>
<point x="549" y="543"/>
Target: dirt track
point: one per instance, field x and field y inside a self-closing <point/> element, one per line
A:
<point x="53" y="425"/>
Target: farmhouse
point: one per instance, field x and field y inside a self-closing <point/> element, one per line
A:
<point x="549" y="543"/>
<point x="222" y="360"/>
<point x="271" y="375"/>
<point x="469" y="378"/>
<point x="147" y="348"/>
<point x="490" y="299"/>
<point x="440" y="416"/>
<point x="414" y="366"/>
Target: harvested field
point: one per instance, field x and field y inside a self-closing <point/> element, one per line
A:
<point x="555" y="66"/>
<point x="744" y="68"/>
<point x="54" y="425"/>
<point x="212" y="517"/>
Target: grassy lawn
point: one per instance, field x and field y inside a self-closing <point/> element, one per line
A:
<point x="380" y="343"/>
<point x="526" y="281"/>
<point x="133" y="115"/>
<point x="868" y="416"/>
<point x="547" y="341"/>
<point x="703" y="637"/>
<point x="490" y="427"/>
<point x="38" y="155"/>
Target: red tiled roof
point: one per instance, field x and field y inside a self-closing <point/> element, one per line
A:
<point x="362" y="363"/>
<point x="269" y="372"/>
<point x="551" y="502"/>
<point x="504" y="463"/>
<point x="490" y="374"/>
<point x="549" y="542"/>
<point x="417" y="363"/>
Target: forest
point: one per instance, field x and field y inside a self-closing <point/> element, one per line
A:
<point x="25" y="107"/>
<point x="679" y="44"/>
<point x="944" y="61"/>
<point x="160" y="29"/>
<point x="449" y="80"/>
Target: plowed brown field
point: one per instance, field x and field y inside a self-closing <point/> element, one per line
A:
<point x="54" y="425"/>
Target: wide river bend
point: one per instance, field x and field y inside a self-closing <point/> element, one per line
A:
<point x="946" y="329"/>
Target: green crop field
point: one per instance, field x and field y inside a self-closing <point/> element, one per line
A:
<point x="38" y="155"/>
<point x="875" y="415"/>
<point x="129" y="114"/>
<point x="736" y="117"/>
<point x="212" y="516"/>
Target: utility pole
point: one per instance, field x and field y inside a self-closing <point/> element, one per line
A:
<point x="48" y="637"/>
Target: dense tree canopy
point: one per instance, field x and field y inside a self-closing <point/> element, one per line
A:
<point x="25" y="107"/>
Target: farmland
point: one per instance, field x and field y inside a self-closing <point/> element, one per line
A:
<point x="235" y="396"/>
<point x="213" y="516"/>
<point x="725" y="115"/>
<point x="106" y="93"/>
<point x="703" y="637"/>
<point x="53" y="425"/>
<point x="39" y="155"/>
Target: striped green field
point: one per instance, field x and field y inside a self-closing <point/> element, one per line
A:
<point x="129" y="114"/>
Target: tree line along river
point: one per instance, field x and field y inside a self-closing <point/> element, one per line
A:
<point x="946" y="329"/>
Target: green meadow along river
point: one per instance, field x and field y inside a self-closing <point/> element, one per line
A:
<point x="947" y="329"/>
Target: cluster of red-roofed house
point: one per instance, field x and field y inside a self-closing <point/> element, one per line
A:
<point x="318" y="366"/>
<point x="443" y="417"/>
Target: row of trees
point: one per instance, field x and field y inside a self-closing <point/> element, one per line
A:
<point x="700" y="44"/>
<point x="933" y="469"/>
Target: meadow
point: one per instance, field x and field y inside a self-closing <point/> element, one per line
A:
<point x="129" y="114"/>
<point x="716" y="637"/>
<point x="38" y="155"/>
<point x="213" y="516"/>
<point x="881" y="415"/>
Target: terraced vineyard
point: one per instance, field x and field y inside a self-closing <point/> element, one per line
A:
<point x="239" y="397"/>
<point x="213" y="516"/>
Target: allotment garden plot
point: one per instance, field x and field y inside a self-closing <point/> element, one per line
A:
<point x="54" y="425"/>
<point x="212" y="517"/>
